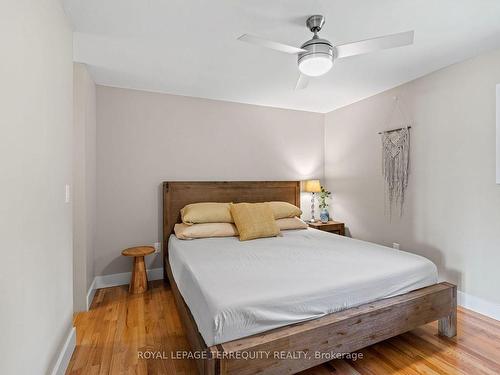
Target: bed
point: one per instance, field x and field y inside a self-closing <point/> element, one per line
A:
<point x="260" y="299"/>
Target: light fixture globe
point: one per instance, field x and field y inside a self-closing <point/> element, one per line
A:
<point x="315" y="65"/>
<point x="318" y="58"/>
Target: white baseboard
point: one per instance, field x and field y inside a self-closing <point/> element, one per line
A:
<point x="479" y="305"/>
<point x="90" y="294"/>
<point x="106" y="281"/>
<point x="65" y="354"/>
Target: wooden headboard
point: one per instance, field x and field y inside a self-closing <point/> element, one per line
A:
<point x="178" y="194"/>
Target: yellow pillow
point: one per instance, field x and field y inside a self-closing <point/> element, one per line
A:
<point x="284" y="209"/>
<point x="254" y="220"/>
<point x="291" y="223"/>
<point x="205" y="230"/>
<point x="207" y="212"/>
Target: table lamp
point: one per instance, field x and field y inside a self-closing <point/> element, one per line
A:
<point x="312" y="186"/>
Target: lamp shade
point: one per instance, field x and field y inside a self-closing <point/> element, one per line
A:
<point x="312" y="186"/>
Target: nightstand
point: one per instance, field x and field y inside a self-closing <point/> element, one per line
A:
<point x="139" y="279"/>
<point x="332" y="227"/>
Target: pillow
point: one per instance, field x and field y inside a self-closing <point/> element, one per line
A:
<point x="291" y="223"/>
<point x="254" y="220"/>
<point x="189" y="232"/>
<point x="284" y="209"/>
<point x="208" y="212"/>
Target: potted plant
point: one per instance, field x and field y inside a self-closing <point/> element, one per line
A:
<point x="324" y="215"/>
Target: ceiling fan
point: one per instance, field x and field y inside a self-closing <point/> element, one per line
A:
<point x="316" y="56"/>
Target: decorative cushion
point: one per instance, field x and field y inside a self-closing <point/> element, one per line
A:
<point x="204" y="230"/>
<point x="207" y="212"/>
<point x="254" y="220"/>
<point x="291" y="223"/>
<point x="284" y="209"/>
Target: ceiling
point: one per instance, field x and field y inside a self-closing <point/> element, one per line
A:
<point x="189" y="47"/>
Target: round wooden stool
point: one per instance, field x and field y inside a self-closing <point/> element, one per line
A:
<point x="139" y="279"/>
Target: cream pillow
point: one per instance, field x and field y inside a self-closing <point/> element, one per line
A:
<point x="291" y="223"/>
<point x="207" y="212"/>
<point x="204" y="230"/>
<point x="284" y="209"/>
<point x="254" y="220"/>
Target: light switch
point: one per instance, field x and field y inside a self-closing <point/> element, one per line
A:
<point x="67" y="197"/>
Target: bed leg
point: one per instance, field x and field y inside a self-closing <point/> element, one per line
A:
<point x="212" y="365"/>
<point x="447" y="326"/>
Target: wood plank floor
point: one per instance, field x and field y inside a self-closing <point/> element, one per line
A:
<point x="119" y="326"/>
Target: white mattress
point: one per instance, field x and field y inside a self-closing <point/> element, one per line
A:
<point x="236" y="289"/>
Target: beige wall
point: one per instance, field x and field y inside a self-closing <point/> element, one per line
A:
<point x="84" y="184"/>
<point x="36" y="101"/>
<point x="452" y="214"/>
<point x="146" y="138"/>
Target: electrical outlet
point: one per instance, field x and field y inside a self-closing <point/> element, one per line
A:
<point x="395" y="245"/>
<point x="157" y="247"/>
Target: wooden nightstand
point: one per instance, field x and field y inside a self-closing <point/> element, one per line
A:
<point x="139" y="279"/>
<point x="331" y="226"/>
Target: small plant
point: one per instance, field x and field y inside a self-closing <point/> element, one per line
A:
<point x="322" y="197"/>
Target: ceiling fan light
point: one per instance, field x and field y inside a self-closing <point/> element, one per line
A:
<point x="315" y="65"/>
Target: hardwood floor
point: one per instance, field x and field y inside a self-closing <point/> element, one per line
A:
<point x="120" y="328"/>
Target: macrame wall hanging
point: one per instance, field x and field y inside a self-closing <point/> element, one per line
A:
<point x="396" y="162"/>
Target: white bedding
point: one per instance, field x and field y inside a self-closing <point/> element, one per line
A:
<point x="236" y="289"/>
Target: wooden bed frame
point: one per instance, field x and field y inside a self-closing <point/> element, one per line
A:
<point x="299" y="346"/>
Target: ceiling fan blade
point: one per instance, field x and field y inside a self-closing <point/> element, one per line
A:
<point x="302" y="82"/>
<point x="270" y="44"/>
<point x="374" y="44"/>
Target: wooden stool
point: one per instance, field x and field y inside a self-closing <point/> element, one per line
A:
<point x="139" y="279"/>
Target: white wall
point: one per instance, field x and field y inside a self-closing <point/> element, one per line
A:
<point x="36" y="101"/>
<point x="498" y="133"/>
<point x="84" y="184"/>
<point x="452" y="214"/>
<point x="145" y="138"/>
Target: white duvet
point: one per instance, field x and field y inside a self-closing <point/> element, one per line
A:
<point x="236" y="289"/>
